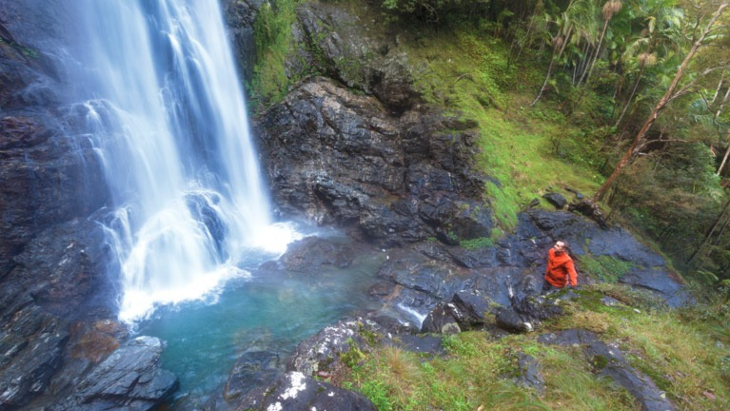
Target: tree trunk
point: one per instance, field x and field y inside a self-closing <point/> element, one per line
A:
<point x="631" y="97"/>
<point x="724" y="100"/>
<point x="661" y="105"/>
<point x="724" y="159"/>
<point x="592" y="62"/>
<point x="710" y="232"/>
<point x="550" y="68"/>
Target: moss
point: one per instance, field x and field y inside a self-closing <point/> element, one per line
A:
<point x="477" y="243"/>
<point x="606" y="268"/>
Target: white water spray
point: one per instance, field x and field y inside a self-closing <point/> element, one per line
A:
<point x="170" y="126"/>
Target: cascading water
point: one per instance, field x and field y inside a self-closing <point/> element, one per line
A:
<point x="169" y="123"/>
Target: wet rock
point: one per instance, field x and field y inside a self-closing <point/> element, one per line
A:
<point x="543" y="307"/>
<point x="529" y="374"/>
<point x="338" y="45"/>
<point x="48" y="174"/>
<point x="336" y="157"/>
<point x="129" y="379"/>
<point x="538" y="229"/>
<point x="473" y="306"/>
<point x="511" y="321"/>
<point x="443" y="319"/>
<point x="310" y="254"/>
<point x="465" y="311"/>
<point x="556" y="199"/>
<point x="239" y="16"/>
<point x="32" y="342"/>
<point x="295" y="391"/>
<point x="253" y="369"/>
<point x="421" y="344"/>
<point x="322" y="351"/>
<point x="63" y="268"/>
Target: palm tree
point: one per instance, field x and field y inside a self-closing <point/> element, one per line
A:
<point x="610" y="8"/>
<point x="662" y="29"/>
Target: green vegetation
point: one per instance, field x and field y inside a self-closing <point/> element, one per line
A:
<point x="274" y="43"/>
<point x="477" y="243"/>
<point x="607" y="269"/>
<point x="678" y="352"/>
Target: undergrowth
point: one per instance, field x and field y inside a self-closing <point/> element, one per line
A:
<point x="526" y="152"/>
<point x="678" y="353"/>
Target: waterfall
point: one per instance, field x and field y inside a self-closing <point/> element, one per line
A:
<point x="166" y="113"/>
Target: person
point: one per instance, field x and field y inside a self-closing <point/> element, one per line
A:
<point x="560" y="270"/>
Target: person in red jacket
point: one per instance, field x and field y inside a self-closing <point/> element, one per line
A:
<point x="560" y="268"/>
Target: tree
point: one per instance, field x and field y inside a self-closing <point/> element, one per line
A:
<point x="700" y="36"/>
<point x="610" y="8"/>
<point x="661" y="37"/>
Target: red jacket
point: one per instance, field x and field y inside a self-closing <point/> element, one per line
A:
<point x="560" y="268"/>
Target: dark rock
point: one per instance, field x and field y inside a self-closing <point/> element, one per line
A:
<point x="446" y="238"/>
<point x="239" y="16"/>
<point x="556" y="199"/>
<point x="534" y="203"/>
<point x="337" y="157"/>
<point x="541" y="308"/>
<point x="295" y="391"/>
<point x="421" y="344"/>
<point x="68" y="265"/>
<point x="529" y="374"/>
<point x="310" y="254"/>
<point x="129" y="379"/>
<point x="32" y="342"/>
<point x="443" y="319"/>
<point x="338" y="46"/>
<point x="661" y="283"/>
<point x="321" y="352"/>
<point x="509" y="320"/>
<point x="481" y="258"/>
<point x="473" y="306"/>
<point x="253" y="369"/>
<point x="49" y="177"/>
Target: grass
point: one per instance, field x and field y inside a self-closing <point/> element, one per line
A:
<point x="528" y="151"/>
<point x="677" y="352"/>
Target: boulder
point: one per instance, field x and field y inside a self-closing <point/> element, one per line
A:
<point x="310" y="254"/>
<point x="509" y="320"/>
<point x="130" y="379"/>
<point x="253" y="369"/>
<point x="295" y="391"/>
<point x="556" y="199"/>
<point x="529" y="374"/>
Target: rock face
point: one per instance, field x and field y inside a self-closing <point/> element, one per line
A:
<point x="338" y="158"/>
<point x="382" y="162"/>
<point x="129" y="379"/>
